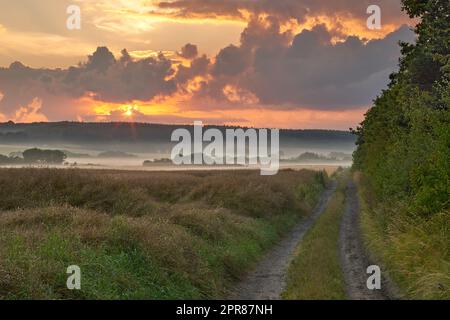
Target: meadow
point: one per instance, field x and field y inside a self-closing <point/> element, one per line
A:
<point x="142" y="235"/>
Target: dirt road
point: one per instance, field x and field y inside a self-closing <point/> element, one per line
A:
<point x="354" y="259"/>
<point x="267" y="280"/>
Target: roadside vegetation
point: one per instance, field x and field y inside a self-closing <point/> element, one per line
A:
<point x="315" y="272"/>
<point x="136" y="235"/>
<point x="414" y="249"/>
<point x="403" y="154"/>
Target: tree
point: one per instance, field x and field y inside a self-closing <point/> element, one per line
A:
<point x="403" y="144"/>
<point x="44" y="156"/>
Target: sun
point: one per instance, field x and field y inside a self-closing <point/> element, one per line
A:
<point x="129" y="111"/>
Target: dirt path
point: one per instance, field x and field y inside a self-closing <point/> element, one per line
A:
<point x="267" y="280"/>
<point x="354" y="259"/>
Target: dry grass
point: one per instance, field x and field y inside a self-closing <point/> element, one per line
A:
<point x="141" y="235"/>
<point x="329" y="169"/>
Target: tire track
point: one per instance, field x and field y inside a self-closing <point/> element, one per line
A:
<point x="268" y="279"/>
<point x="353" y="256"/>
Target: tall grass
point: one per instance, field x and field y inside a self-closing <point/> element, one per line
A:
<point x="315" y="272"/>
<point x="415" y="249"/>
<point x="141" y="235"/>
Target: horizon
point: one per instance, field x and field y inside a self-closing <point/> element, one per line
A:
<point x="131" y="123"/>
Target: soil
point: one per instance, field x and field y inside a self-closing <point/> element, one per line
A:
<point x="267" y="281"/>
<point x="354" y="257"/>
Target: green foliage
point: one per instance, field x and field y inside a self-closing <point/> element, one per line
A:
<point x="413" y="249"/>
<point x="404" y="154"/>
<point x="404" y="142"/>
<point x="310" y="193"/>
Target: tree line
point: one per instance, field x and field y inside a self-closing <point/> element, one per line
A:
<point x="35" y="155"/>
<point x="403" y="145"/>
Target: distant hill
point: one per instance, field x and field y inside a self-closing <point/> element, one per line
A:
<point x="153" y="136"/>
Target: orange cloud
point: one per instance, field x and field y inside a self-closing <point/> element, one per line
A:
<point x="342" y="26"/>
<point x="31" y="112"/>
<point x="346" y="17"/>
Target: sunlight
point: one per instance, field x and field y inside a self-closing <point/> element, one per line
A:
<point x="129" y="111"/>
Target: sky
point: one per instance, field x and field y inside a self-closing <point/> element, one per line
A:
<point x="299" y="64"/>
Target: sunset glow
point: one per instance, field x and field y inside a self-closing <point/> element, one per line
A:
<point x="300" y="64"/>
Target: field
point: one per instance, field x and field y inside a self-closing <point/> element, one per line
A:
<point x="136" y="165"/>
<point x="142" y="235"/>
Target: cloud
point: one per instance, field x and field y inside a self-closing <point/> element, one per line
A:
<point x="189" y="51"/>
<point x="315" y="72"/>
<point x="20" y="85"/>
<point x="270" y="67"/>
<point x="31" y="112"/>
<point x="231" y="61"/>
<point x="102" y="77"/>
<point x="120" y="114"/>
<point x="197" y="67"/>
<point x="2" y="116"/>
<point x="234" y="8"/>
<point x="122" y="80"/>
<point x="281" y="9"/>
<point x="342" y="18"/>
<point x="312" y="71"/>
<point x="273" y="66"/>
<point x="102" y="59"/>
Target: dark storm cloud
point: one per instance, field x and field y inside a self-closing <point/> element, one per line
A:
<point x="189" y="51"/>
<point x="314" y="72"/>
<point x="233" y="8"/>
<point x="231" y="61"/>
<point x="198" y="67"/>
<point x="20" y="85"/>
<point x="102" y="77"/>
<point x="125" y="79"/>
<point x="265" y="31"/>
<point x="281" y="9"/>
<point x="309" y="72"/>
